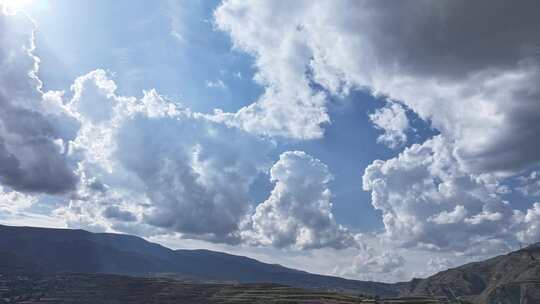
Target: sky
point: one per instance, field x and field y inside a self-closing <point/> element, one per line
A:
<point x="372" y="140"/>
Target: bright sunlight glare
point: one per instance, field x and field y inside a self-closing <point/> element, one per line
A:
<point x="14" y="5"/>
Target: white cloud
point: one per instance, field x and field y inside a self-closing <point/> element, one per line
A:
<point x="12" y="202"/>
<point x="218" y="84"/>
<point x="394" y="122"/>
<point x="176" y="12"/>
<point x="455" y="216"/>
<point x="277" y="114"/>
<point x="439" y="264"/>
<point x="288" y="107"/>
<point x="372" y="265"/>
<point x="298" y="212"/>
<point x="428" y="200"/>
<point x="484" y="216"/>
<point x="530" y="221"/>
<point x="93" y="97"/>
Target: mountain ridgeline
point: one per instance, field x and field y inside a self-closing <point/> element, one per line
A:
<point x="45" y="250"/>
<point x="510" y="278"/>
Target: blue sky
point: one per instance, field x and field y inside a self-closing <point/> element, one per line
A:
<point x="329" y="141"/>
<point x="145" y="53"/>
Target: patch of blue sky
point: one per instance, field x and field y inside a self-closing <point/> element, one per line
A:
<point x="138" y="43"/>
<point x="348" y="147"/>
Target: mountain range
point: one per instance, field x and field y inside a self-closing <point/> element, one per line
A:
<point x="45" y="250"/>
<point x="501" y="279"/>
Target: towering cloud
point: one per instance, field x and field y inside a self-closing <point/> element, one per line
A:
<point x="298" y="212"/>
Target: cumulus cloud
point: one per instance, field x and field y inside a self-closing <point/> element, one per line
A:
<point x="288" y="106"/>
<point x="428" y="200"/>
<point x="530" y="221"/>
<point x="298" y="212"/>
<point x="455" y="216"/>
<point x="197" y="172"/>
<point x="393" y="121"/>
<point x="381" y="266"/>
<point x="12" y="202"/>
<point x="186" y="173"/>
<point x="182" y="172"/>
<point x="453" y="63"/>
<point x="33" y="157"/>
<point x="93" y="97"/>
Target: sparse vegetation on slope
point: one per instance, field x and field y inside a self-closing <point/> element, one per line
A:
<point x="510" y="278"/>
<point x="109" y="289"/>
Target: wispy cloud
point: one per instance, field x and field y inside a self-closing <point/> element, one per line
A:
<point x="216" y="84"/>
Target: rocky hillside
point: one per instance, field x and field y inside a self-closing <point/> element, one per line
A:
<point x="510" y="278"/>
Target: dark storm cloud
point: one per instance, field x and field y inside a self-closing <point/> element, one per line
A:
<point x="113" y="212"/>
<point x="468" y="41"/>
<point x="452" y="41"/>
<point x="451" y="38"/>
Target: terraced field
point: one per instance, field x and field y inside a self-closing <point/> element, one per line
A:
<point x="94" y="288"/>
<point x="115" y="289"/>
